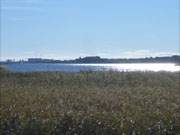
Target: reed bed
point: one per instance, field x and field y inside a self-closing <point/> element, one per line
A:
<point x="90" y="103"/>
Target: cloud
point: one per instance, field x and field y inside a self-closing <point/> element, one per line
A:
<point x="20" y="5"/>
<point x="21" y="10"/>
<point x="131" y="54"/>
<point x="146" y="53"/>
<point x="21" y="1"/>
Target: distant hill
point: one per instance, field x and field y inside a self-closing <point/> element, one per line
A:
<point x="97" y="59"/>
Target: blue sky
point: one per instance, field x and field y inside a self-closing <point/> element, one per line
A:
<point x="64" y="29"/>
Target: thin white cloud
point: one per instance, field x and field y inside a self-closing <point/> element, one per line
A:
<point x="21" y="1"/>
<point x="20" y="10"/>
<point x="146" y="53"/>
<point x="19" y="5"/>
<point x="130" y="54"/>
<point x="31" y="1"/>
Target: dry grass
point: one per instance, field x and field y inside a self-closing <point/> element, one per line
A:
<point x="90" y="103"/>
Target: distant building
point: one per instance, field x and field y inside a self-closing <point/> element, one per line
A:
<point x="40" y="60"/>
<point x="9" y="61"/>
<point x="34" y="60"/>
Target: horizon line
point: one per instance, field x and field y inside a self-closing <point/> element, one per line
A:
<point x="45" y="58"/>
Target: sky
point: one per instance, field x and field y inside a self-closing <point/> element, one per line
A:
<point x="66" y="29"/>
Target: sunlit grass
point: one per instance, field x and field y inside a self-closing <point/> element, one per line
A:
<point x="89" y="103"/>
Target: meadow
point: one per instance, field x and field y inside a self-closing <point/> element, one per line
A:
<point x="90" y="103"/>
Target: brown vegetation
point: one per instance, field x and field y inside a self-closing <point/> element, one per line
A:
<point x="90" y="103"/>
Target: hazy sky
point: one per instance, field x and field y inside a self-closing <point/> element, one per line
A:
<point x="64" y="29"/>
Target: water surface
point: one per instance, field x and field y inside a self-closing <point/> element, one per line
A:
<point x="29" y="67"/>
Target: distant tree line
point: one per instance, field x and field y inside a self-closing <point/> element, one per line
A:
<point x="97" y="59"/>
